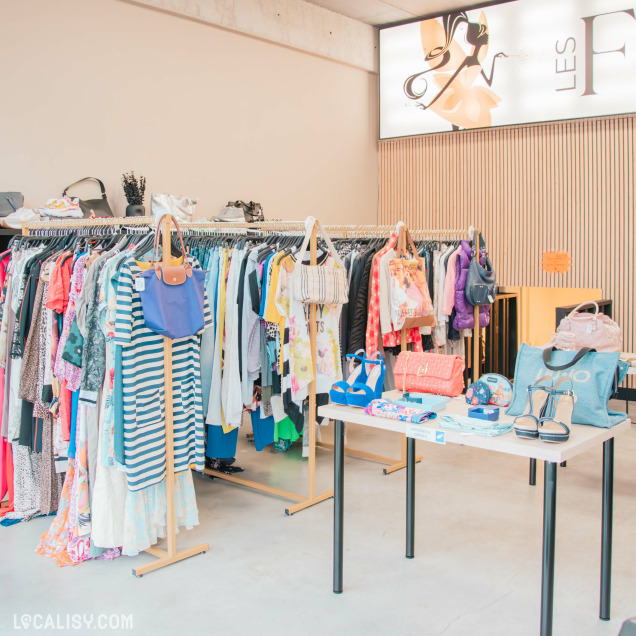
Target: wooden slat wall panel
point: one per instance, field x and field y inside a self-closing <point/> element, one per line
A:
<point x="557" y="186"/>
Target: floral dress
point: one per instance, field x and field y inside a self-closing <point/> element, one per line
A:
<point x="65" y="371"/>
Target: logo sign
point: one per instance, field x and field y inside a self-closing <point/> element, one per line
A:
<point x="514" y="63"/>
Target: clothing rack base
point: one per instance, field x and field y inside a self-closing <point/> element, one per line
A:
<point x="302" y="500"/>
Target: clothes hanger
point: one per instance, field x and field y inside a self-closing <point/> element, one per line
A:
<point x="144" y="245"/>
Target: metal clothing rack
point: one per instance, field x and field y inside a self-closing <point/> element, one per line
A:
<point x="73" y="224"/>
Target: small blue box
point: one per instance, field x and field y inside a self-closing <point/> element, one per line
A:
<point x="490" y="413"/>
<point x="424" y="401"/>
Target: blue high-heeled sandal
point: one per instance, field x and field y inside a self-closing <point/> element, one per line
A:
<point x="338" y="391"/>
<point x="360" y="394"/>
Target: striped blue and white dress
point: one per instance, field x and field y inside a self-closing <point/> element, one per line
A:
<point x="143" y="388"/>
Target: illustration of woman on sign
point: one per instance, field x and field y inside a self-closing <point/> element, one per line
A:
<point x="455" y="72"/>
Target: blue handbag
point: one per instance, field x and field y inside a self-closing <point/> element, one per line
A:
<point x="593" y="375"/>
<point x="172" y="296"/>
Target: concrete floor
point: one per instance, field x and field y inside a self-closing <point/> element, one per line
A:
<point x="477" y="569"/>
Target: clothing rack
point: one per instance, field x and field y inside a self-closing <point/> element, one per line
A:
<point x="169" y="555"/>
<point x="335" y="231"/>
<point x="383" y="231"/>
<point x="302" y="501"/>
<point x="292" y="227"/>
<point x="72" y="224"/>
<point x="311" y="498"/>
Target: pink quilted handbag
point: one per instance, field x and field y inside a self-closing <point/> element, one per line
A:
<point x="429" y="373"/>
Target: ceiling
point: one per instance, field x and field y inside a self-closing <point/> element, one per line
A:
<point x="381" y="12"/>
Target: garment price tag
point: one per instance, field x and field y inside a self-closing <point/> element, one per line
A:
<point x="140" y="284"/>
<point x="425" y="434"/>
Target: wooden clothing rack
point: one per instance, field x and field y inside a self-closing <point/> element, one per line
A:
<point x="384" y="231"/>
<point x="302" y="501"/>
<point x="311" y="498"/>
<point x="170" y="554"/>
<point x="281" y="227"/>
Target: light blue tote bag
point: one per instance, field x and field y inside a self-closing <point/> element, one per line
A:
<point x="593" y="375"/>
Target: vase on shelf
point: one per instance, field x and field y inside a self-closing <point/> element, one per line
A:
<point x="135" y="210"/>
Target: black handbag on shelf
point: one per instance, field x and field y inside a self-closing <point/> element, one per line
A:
<point x="10" y="202"/>
<point x="481" y="285"/>
<point x="93" y="207"/>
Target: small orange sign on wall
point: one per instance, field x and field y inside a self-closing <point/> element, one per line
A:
<point x="556" y="262"/>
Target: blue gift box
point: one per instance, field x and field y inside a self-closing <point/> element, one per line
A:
<point x="490" y="413"/>
<point x="424" y="401"/>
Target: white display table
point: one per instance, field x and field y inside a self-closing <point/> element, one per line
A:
<point x="582" y="438"/>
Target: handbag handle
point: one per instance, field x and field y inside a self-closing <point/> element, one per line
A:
<point x="101" y="185"/>
<point x="404" y="242"/>
<point x="310" y="221"/>
<point x="589" y="302"/>
<point x="8" y="198"/>
<point x="482" y="243"/>
<point x="155" y="246"/>
<point x="547" y="355"/>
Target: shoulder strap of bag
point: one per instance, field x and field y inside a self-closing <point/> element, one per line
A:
<point x="155" y="248"/>
<point x="482" y="243"/>
<point x="309" y="226"/>
<point x="547" y="355"/>
<point x="412" y="245"/>
<point x="404" y="243"/>
<point x="101" y="185"/>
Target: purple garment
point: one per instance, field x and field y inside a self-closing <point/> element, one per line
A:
<point x="464" y="318"/>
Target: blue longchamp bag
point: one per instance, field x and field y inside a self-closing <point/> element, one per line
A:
<point x="592" y="373"/>
<point x="172" y="296"/>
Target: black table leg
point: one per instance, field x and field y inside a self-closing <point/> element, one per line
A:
<point x="410" y="498"/>
<point x="338" y="492"/>
<point x="533" y="472"/>
<point x="547" y="571"/>
<point x="606" y="536"/>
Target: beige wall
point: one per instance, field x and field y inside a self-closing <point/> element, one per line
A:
<point x="102" y="87"/>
